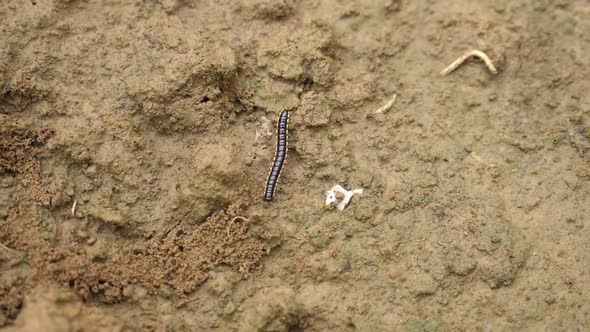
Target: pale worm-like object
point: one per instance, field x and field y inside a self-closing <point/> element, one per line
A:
<point x="465" y="56"/>
<point x="74" y="207"/>
<point x="387" y="106"/>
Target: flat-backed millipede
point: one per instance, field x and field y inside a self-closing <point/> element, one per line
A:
<point x="280" y="155"/>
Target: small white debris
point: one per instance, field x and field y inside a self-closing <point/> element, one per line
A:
<point x="74" y="208"/>
<point x="467" y="55"/>
<point x="331" y="196"/>
<point x="264" y="128"/>
<point x="387" y="106"/>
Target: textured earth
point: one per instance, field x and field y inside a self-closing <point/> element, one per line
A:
<point x="136" y="137"/>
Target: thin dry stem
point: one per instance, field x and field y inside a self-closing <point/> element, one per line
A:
<point x="233" y="220"/>
<point x="74" y="207"/>
<point x="465" y="56"/>
<point x="387" y="106"/>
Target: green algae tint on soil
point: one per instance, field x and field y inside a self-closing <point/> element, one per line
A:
<point x="133" y="133"/>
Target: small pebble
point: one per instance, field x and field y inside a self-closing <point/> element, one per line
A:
<point x="91" y="240"/>
<point x="35" y="143"/>
<point x="91" y="169"/>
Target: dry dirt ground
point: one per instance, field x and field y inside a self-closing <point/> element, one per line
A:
<point x="135" y="134"/>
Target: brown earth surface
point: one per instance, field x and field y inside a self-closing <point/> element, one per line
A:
<point x="136" y="138"/>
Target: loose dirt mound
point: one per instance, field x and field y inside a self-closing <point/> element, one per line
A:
<point x="11" y="302"/>
<point x="17" y="156"/>
<point x="179" y="260"/>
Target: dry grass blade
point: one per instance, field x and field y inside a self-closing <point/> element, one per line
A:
<point x="465" y="56"/>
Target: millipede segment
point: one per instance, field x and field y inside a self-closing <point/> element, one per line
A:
<point x="280" y="155"/>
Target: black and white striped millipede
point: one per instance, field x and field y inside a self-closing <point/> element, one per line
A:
<point x="280" y="155"/>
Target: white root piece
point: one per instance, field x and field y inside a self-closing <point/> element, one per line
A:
<point x="331" y="196"/>
<point x="465" y="56"/>
<point x="233" y="220"/>
<point x="74" y="207"/>
<point x="387" y="106"/>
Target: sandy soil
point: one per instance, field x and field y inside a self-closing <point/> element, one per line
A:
<point x="136" y="137"/>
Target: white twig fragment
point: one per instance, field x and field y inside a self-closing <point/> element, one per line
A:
<point x="74" y="207"/>
<point x="232" y="221"/>
<point x="331" y="196"/>
<point x="465" y="56"/>
<point x="387" y="106"/>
